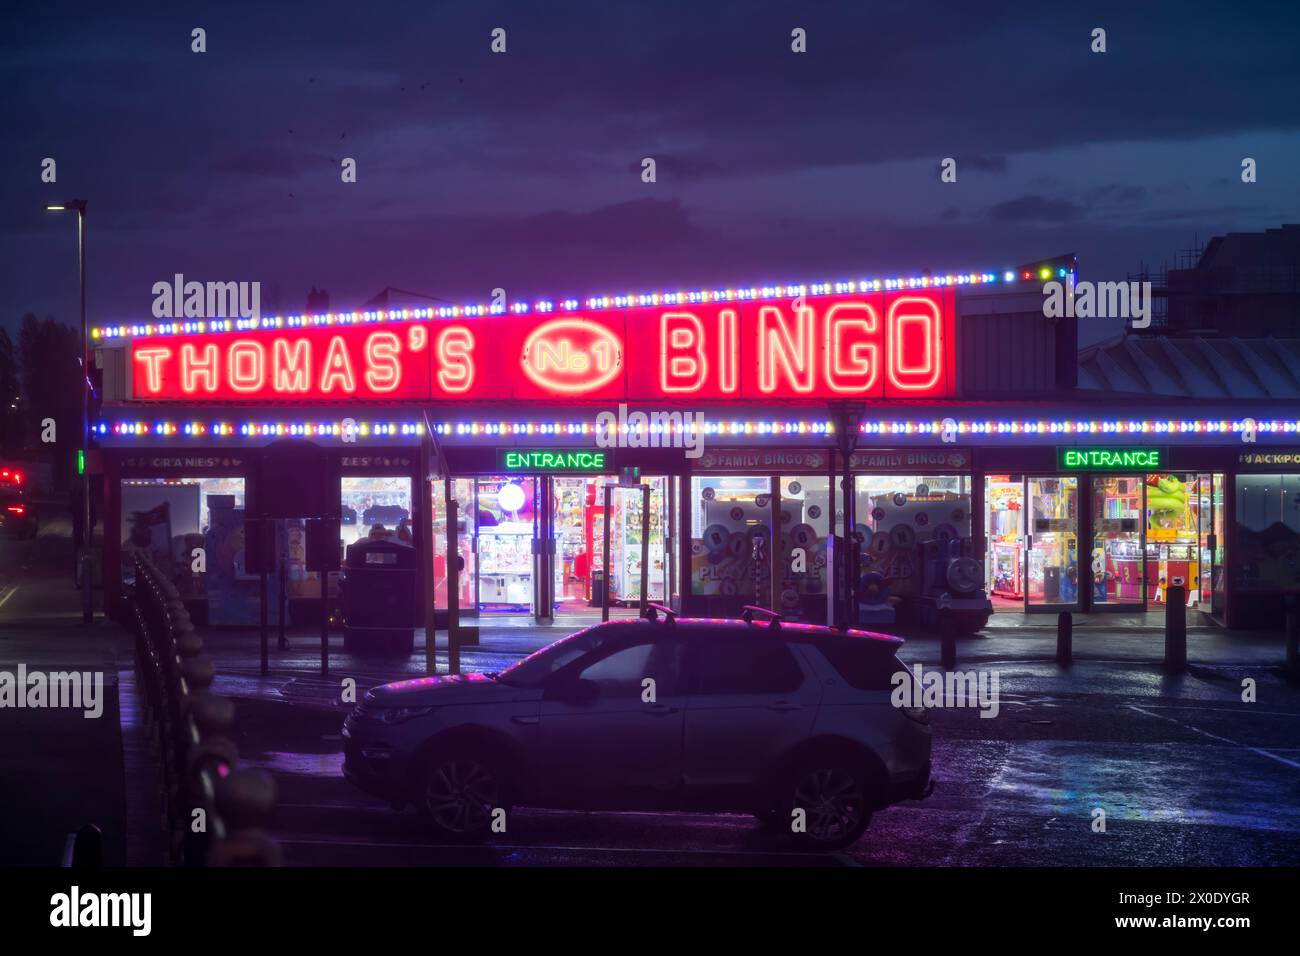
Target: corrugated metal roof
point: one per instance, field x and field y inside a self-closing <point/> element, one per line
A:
<point x="1193" y="367"/>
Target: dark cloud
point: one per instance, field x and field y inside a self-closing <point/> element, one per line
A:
<point x="1029" y="209"/>
<point x="683" y="168"/>
<point x="1117" y="194"/>
<point x="987" y="164"/>
<point x="532" y="158"/>
<point x="637" y="224"/>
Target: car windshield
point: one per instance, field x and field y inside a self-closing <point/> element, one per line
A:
<point x="539" y="665"/>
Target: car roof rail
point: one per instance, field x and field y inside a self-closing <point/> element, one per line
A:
<point x="747" y="615"/>
<point x="652" y="612"/>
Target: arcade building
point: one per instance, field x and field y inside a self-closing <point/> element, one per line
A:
<point x="872" y="450"/>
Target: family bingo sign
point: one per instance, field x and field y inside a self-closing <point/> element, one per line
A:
<point x="876" y="345"/>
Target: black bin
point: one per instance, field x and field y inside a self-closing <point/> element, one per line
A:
<point x="379" y="588"/>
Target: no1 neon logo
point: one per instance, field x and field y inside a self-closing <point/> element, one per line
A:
<point x="572" y="356"/>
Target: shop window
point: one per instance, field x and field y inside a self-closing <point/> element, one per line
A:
<point x="463" y="492"/>
<point x="1213" y="541"/>
<point x="1053" y="552"/>
<point x="897" y="515"/>
<point x="732" y="530"/>
<point x="806" y="526"/>
<point x="1117" y="510"/>
<point x="169" y="519"/>
<point x="1172" y="534"/>
<point x="375" y="507"/>
<point x="1267" y="534"/>
<point x="369" y="506"/>
<point x="1004" y="529"/>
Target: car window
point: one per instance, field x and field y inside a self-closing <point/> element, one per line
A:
<point x="863" y="664"/>
<point x="622" y="671"/>
<point x="741" y="663"/>
<point x="534" y="669"/>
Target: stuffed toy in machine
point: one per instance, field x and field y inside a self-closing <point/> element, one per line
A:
<point x="1166" y="501"/>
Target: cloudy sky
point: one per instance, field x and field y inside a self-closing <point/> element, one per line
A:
<point x="522" y="170"/>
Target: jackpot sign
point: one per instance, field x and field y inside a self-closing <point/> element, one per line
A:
<point x="883" y="345"/>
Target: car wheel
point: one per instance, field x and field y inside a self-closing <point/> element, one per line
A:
<point x="459" y="794"/>
<point x="834" y="800"/>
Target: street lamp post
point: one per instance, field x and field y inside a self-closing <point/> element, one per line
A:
<point x="87" y="562"/>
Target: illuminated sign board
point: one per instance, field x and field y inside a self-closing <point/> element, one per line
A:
<point x="554" y="460"/>
<point x="1110" y="459"/>
<point x="1275" y="458"/>
<point x="872" y="345"/>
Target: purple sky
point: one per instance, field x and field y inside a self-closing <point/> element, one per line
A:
<point x="522" y="170"/>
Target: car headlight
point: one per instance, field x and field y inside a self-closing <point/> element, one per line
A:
<point x="398" y="715"/>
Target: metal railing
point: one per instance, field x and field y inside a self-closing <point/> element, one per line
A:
<point x="214" y="812"/>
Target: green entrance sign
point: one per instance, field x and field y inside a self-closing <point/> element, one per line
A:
<point x="1110" y="459"/>
<point x="551" y="460"/>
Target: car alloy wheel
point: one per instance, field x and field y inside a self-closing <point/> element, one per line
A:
<point x="835" y="804"/>
<point x="460" y="795"/>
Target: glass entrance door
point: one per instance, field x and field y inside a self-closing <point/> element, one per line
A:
<point x="1052" y="558"/>
<point x="505" y="526"/>
<point x="578" y="524"/>
<point x="1210" y="518"/>
<point x="1117" y="560"/>
<point x="1004" y="530"/>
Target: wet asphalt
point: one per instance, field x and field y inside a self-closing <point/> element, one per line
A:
<point x="1183" y="770"/>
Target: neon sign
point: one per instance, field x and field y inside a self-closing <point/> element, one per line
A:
<point x="555" y="460"/>
<point x="872" y="345"/>
<point x="1108" y="459"/>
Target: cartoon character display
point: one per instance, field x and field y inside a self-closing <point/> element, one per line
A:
<point x="1166" y="501"/>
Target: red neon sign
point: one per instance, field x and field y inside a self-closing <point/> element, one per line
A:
<point x="874" y="346"/>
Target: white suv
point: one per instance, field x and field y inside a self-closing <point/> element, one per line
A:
<point x="790" y="722"/>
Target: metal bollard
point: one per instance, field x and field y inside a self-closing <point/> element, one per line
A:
<point x="246" y="848"/>
<point x="1176" y="628"/>
<point x="198" y="672"/>
<point x="245" y="798"/>
<point x="1064" y="638"/>
<point x="948" y="640"/>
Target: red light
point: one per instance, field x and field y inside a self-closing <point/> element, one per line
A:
<point x="16" y="509"/>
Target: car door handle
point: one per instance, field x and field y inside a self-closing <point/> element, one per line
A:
<point x="661" y="710"/>
<point x="783" y="705"/>
<point x="526" y="719"/>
